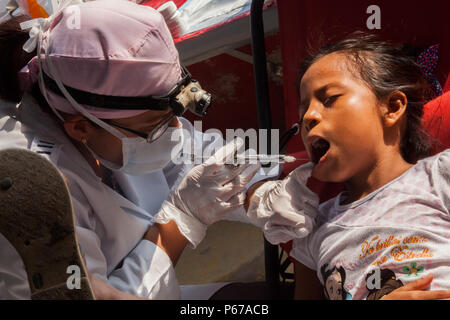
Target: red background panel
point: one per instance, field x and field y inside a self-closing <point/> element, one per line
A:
<point x="231" y="83"/>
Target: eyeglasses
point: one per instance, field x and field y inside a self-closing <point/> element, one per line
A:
<point x="156" y="133"/>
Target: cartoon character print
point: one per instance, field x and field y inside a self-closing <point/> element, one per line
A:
<point x="334" y="281"/>
<point x="388" y="283"/>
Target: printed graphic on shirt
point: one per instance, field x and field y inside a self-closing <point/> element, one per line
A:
<point x="402" y="248"/>
<point x="413" y="270"/>
<point x="380" y="260"/>
<point x="385" y="284"/>
<point x="334" y="281"/>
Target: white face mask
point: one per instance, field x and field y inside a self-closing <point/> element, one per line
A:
<point x="141" y="157"/>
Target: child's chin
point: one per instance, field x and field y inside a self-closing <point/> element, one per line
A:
<point x="322" y="178"/>
<point x="320" y="175"/>
<point x="326" y="176"/>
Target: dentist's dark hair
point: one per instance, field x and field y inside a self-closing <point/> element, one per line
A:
<point x="385" y="68"/>
<point x="12" y="57"/>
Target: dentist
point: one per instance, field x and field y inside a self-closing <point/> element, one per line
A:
<point x="101" y="98"/>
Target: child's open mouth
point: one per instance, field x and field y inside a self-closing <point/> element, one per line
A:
<point x="318" y="149"/>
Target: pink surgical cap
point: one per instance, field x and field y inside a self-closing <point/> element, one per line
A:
<point x="120" y="49"/>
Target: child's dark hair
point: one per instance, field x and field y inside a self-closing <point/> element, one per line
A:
<point x="386" y="68"/>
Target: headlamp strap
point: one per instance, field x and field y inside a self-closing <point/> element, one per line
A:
<point x="110" y="102"/>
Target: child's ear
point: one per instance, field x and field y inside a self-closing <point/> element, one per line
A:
<point x="395" y="107"/>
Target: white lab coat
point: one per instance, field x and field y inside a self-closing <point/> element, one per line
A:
<point x="110" y="227"/>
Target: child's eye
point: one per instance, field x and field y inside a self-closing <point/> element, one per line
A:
<point x="328" y="101"/>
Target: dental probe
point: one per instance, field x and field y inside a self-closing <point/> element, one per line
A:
<point x="276" y="158"/>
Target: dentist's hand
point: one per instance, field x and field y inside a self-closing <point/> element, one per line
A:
<point x="208" y="193"/>
<point x="285" y="209"/>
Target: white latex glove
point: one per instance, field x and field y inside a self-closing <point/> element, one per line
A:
<point x="208" y="193"/>
<point x="285" y="209"/>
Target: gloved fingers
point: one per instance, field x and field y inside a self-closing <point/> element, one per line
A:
<point x="225" y="155"/>
<point x="283" y="230"/>
<point x="294" y="211"/>
<point x="234" y="202"/>
<point x="229" y="191"/>
<point x="276" y="237"/>
<point x="247" y="175"/>
<point x="284" y="234"/>
<point x="229" y="173"/>
<point x="303" y="172"/>
<point x="290" y="218"/>
<point x="300" y="194"/>
<point x="222" y="209"/>
<point x="239" y="181"/>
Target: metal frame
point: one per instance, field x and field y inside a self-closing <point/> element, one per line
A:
<point x="272" y="266"/>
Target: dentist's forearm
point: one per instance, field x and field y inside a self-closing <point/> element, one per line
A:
<point x="169" y="238"/>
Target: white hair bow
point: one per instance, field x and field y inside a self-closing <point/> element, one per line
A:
<point x="41" y="25"/>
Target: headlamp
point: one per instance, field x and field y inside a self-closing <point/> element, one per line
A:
<point x="188" y="94"/>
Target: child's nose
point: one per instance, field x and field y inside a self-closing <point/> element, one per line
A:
<point x="311" y="119"/>
<point x="310" y="124"/>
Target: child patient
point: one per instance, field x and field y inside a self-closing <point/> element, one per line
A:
<point x="361" y="107"/>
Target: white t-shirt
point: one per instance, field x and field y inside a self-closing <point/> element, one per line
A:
<point x="396" y="234"/>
